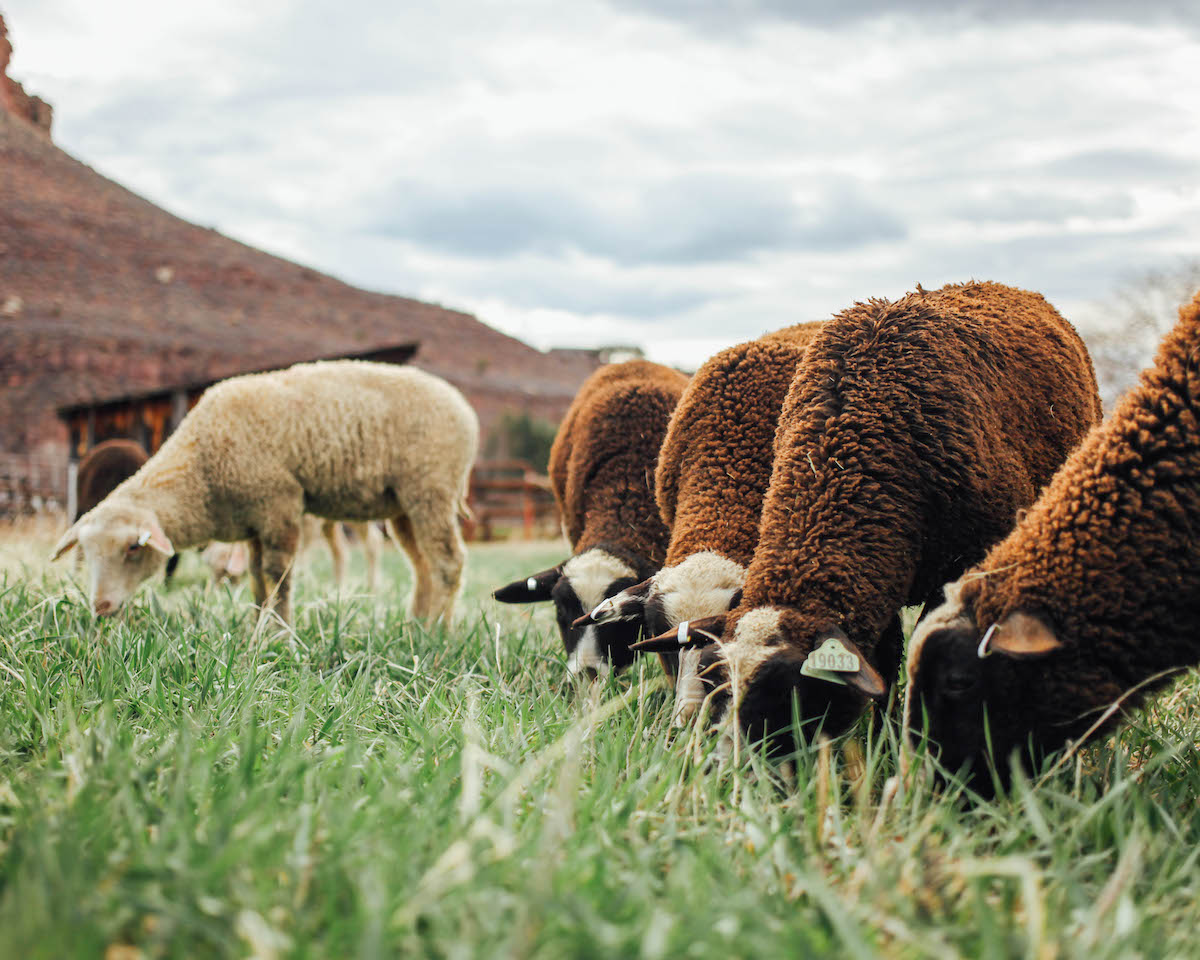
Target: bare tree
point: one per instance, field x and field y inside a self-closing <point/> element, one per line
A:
<point x="1133" y="320"/>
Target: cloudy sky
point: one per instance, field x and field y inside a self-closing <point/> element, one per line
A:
<point x="680" y="174"/>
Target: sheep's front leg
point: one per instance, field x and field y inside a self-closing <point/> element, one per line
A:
<point x="278" y="558"/>
<point x="372" y="539"/>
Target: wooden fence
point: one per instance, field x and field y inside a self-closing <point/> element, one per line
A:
<point x="507" y="498"/>
<point x="30" y="484"/>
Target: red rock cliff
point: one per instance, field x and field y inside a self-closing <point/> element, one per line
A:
<point x="13" y="98"/>
<point x="102" y="294"/>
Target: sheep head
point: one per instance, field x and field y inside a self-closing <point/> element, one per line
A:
<point x="123" y="545"/>
<point x="970" y="687"/>
<point x="763" y="659"/>
<point x="576" y="585"/>
<point x="702" y="585"/>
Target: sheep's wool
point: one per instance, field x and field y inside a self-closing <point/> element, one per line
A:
<point x="700" y="586"/>
<point x="591" y="573"/>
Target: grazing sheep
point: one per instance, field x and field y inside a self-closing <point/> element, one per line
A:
<point x="347" y="440"/>
<point x="913" y="433"/>
<point x="1091" y="603"/>
<point x="712" y="473"/>
<point x="602" y="470"/>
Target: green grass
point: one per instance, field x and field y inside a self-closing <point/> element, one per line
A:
<point x="173" y="786"/>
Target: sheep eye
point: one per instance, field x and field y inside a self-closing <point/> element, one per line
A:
<point x="133" y="548"/>
<point x="958" y="682"/>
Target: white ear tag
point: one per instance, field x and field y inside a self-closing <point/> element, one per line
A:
<point x="531" y="584"/>
<point x="828" y="660"/>
<point x="143" y="538"/>
<point x="681" y="634"/>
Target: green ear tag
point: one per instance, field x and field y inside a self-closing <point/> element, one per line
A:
<point x="828" y="660"/>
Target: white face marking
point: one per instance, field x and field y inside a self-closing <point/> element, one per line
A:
<point x="748" y="649"/>
<point x="700" y="586"/>
<point x="591" y="572"/>
<point x="758" y="626"/>
<point x="949" y="614"/>
<point x="586" y="655"/>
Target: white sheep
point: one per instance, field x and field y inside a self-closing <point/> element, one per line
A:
<point x="345" y="439"/>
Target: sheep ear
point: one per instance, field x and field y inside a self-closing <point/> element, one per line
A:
<point x="1023" y="636"/>
<point x="531" y="589"/>
<point x="689" y="633"/>
<point x="629" y="604"/>
<point x="866" y="679"/>
<point x="69" y="539"/>
<point x="152" y="535"/>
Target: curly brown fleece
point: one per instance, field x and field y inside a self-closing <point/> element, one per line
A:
<point x="1106" y="559"/>
<point x="716" y="460"/>
<point x="913" y="433"/>
<point x="602" y="460"/>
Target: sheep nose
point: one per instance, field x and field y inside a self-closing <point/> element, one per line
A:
<point x="102" y="607"/>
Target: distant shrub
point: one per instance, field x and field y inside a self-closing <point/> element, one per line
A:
<point x="522" y="437"/>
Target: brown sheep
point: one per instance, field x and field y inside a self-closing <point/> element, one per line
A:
<point x="712" y="474"/>
<point x="105" y="467"/>
<point x="914" y="432"/>
<point x="602" y="471"/>
<point x="1091" y="603"/>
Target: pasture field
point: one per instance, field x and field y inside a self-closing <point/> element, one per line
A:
<point x="173" y="784"/>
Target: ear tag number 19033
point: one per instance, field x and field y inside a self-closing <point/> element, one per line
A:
<point x="828" y="660"/>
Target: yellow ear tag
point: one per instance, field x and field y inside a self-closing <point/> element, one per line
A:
<point x="828" y="660"/>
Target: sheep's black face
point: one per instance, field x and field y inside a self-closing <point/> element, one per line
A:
<point x="780" y="701"/>
<point x="776" y="687"/>
<point x="945" y="700"/>
<point x="577" y="586"/>
<point x="713" y="673"/>
<point x="971" y="708"/>
<point x="593" y="648"/>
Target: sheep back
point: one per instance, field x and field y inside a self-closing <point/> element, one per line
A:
<point x="716" y="459"/>
<point x="1106" y="559"/>
<point x="940" y="415"/>
<point x="356" y="440"/>
<point x="913" y="433"/>
<point x="603" y="458"/>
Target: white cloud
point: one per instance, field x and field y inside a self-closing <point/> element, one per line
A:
<point x="585" y="173"/>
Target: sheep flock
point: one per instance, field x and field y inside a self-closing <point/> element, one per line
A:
<point x="758" y="526"/>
